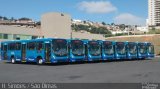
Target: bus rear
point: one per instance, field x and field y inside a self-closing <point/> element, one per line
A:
<point x="11" y="51"/>
<point x="131" y="50"/>
<point x="150" y="50"/>
<point x="120" y="50"/>
<point x="108" y="50"/>
<point x="94" y="50"/>
<point x="77" y="50"/>
<point x="4" y="50"/>
<point x="142" y="50"/>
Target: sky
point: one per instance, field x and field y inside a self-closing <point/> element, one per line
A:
<point x="133" y="12"/>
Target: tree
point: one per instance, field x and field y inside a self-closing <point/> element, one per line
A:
<point x="12" y="19"/>
<point x="24" y="18"/>
<point x="122" y="26"/>
<point x="5" y="18"/>
<point x="112" y="24"/>
<point x="38" y="23"/>
<point x="84" y="22"/>
<point x="91" y="29"/>
<point x="103" y="23"/>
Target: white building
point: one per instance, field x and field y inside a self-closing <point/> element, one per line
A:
<point x="142" y="29"/>
<point x="154" y="12"/>
<point x="76" y="21"/>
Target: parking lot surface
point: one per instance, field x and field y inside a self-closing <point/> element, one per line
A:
<point x="136" y="71"/>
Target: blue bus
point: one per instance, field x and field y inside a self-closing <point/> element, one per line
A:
<point x="108" y="48"/>
<point x="150" y="50"/>
<point x="132" y="50"/>
<point x="93" y="50"/>
<point x="38" y="50"/>
<point x="120" y="50"/>
<point x="77" y="50"/>
<point x="142" y="50"/>
<point x="7" y="47"/>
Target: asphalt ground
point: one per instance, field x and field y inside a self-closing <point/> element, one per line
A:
<point x="137" y="71"/>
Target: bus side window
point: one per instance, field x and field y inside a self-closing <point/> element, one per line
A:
<point x="2" y="47"/>
<point x="18" y="46"/>
<point x="31" y="46"/>
<point x="86" y="49"/>
<point x="39" y="46"/>
<point x="11" y="46"/>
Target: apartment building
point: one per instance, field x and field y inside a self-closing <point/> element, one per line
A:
<point x="154" y="12"/>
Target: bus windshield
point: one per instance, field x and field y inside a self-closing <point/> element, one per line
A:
<point x="108" y="48"/>
<point x="132" y="48"/>
<point x="59" y="47"/>
<point x="151" y="49"/>
<point x="142" y="48"/>
<point x="94" y="48"/>
<point x="120" y="47"/>
<point x="77" y="47"/>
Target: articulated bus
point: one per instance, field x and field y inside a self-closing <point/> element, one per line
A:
<point x="77" y="50"/>
<point x="150" y="50"/>
<point x="132" y="50"/>
<point x="93" y="50"/>
<point x="120" y="50"/>
<point x="108" y="48"/>
<point x="39" y="51"/>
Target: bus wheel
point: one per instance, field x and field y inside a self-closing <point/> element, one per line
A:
<point x="13" y="61"/>
<point x="40" y="62"/>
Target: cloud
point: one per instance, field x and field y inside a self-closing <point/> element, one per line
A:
<point x="129" y="19"/>
<point x="98" y="7"/>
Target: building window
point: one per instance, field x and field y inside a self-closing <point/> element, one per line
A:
<point x="62" y="14"/>
<point x="1" y="36"/>
<point x="5" y="36"/>
<point x="10" y="37"/>
<point x="34" y="37"/>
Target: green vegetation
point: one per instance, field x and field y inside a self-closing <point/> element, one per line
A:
<point x="96" y="30"/>
<point x="12" y="18"/>
<point x="103" y="23"/>
<point x="24" y="18"/>
<point x="154" y="31"/>
<point x="38" y="23"/>
<point x="4" y="18"/>
<point x="108" y="35"/>
<point x="91" y="29"/>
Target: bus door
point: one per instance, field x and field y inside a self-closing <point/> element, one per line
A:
<point x="5" y="52"/>
<point x="47" y="52"/>
<point x="23" y="52"/>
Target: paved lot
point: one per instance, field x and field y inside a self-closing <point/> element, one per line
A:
<point x="104" y="72"/>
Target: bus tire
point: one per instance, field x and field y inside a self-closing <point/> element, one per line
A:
<point x="13" y="61"/>
<point x="39" y="61"/>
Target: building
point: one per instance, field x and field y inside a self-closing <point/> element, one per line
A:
<point x="12" y="32"/>
<point x="53" y="25"/>
<point x="143" y="29"/>
<point x="56" y="25"/>
<point x="154" y="12"/>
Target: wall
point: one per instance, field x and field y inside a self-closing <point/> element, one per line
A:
<point x="56" y="25"/>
